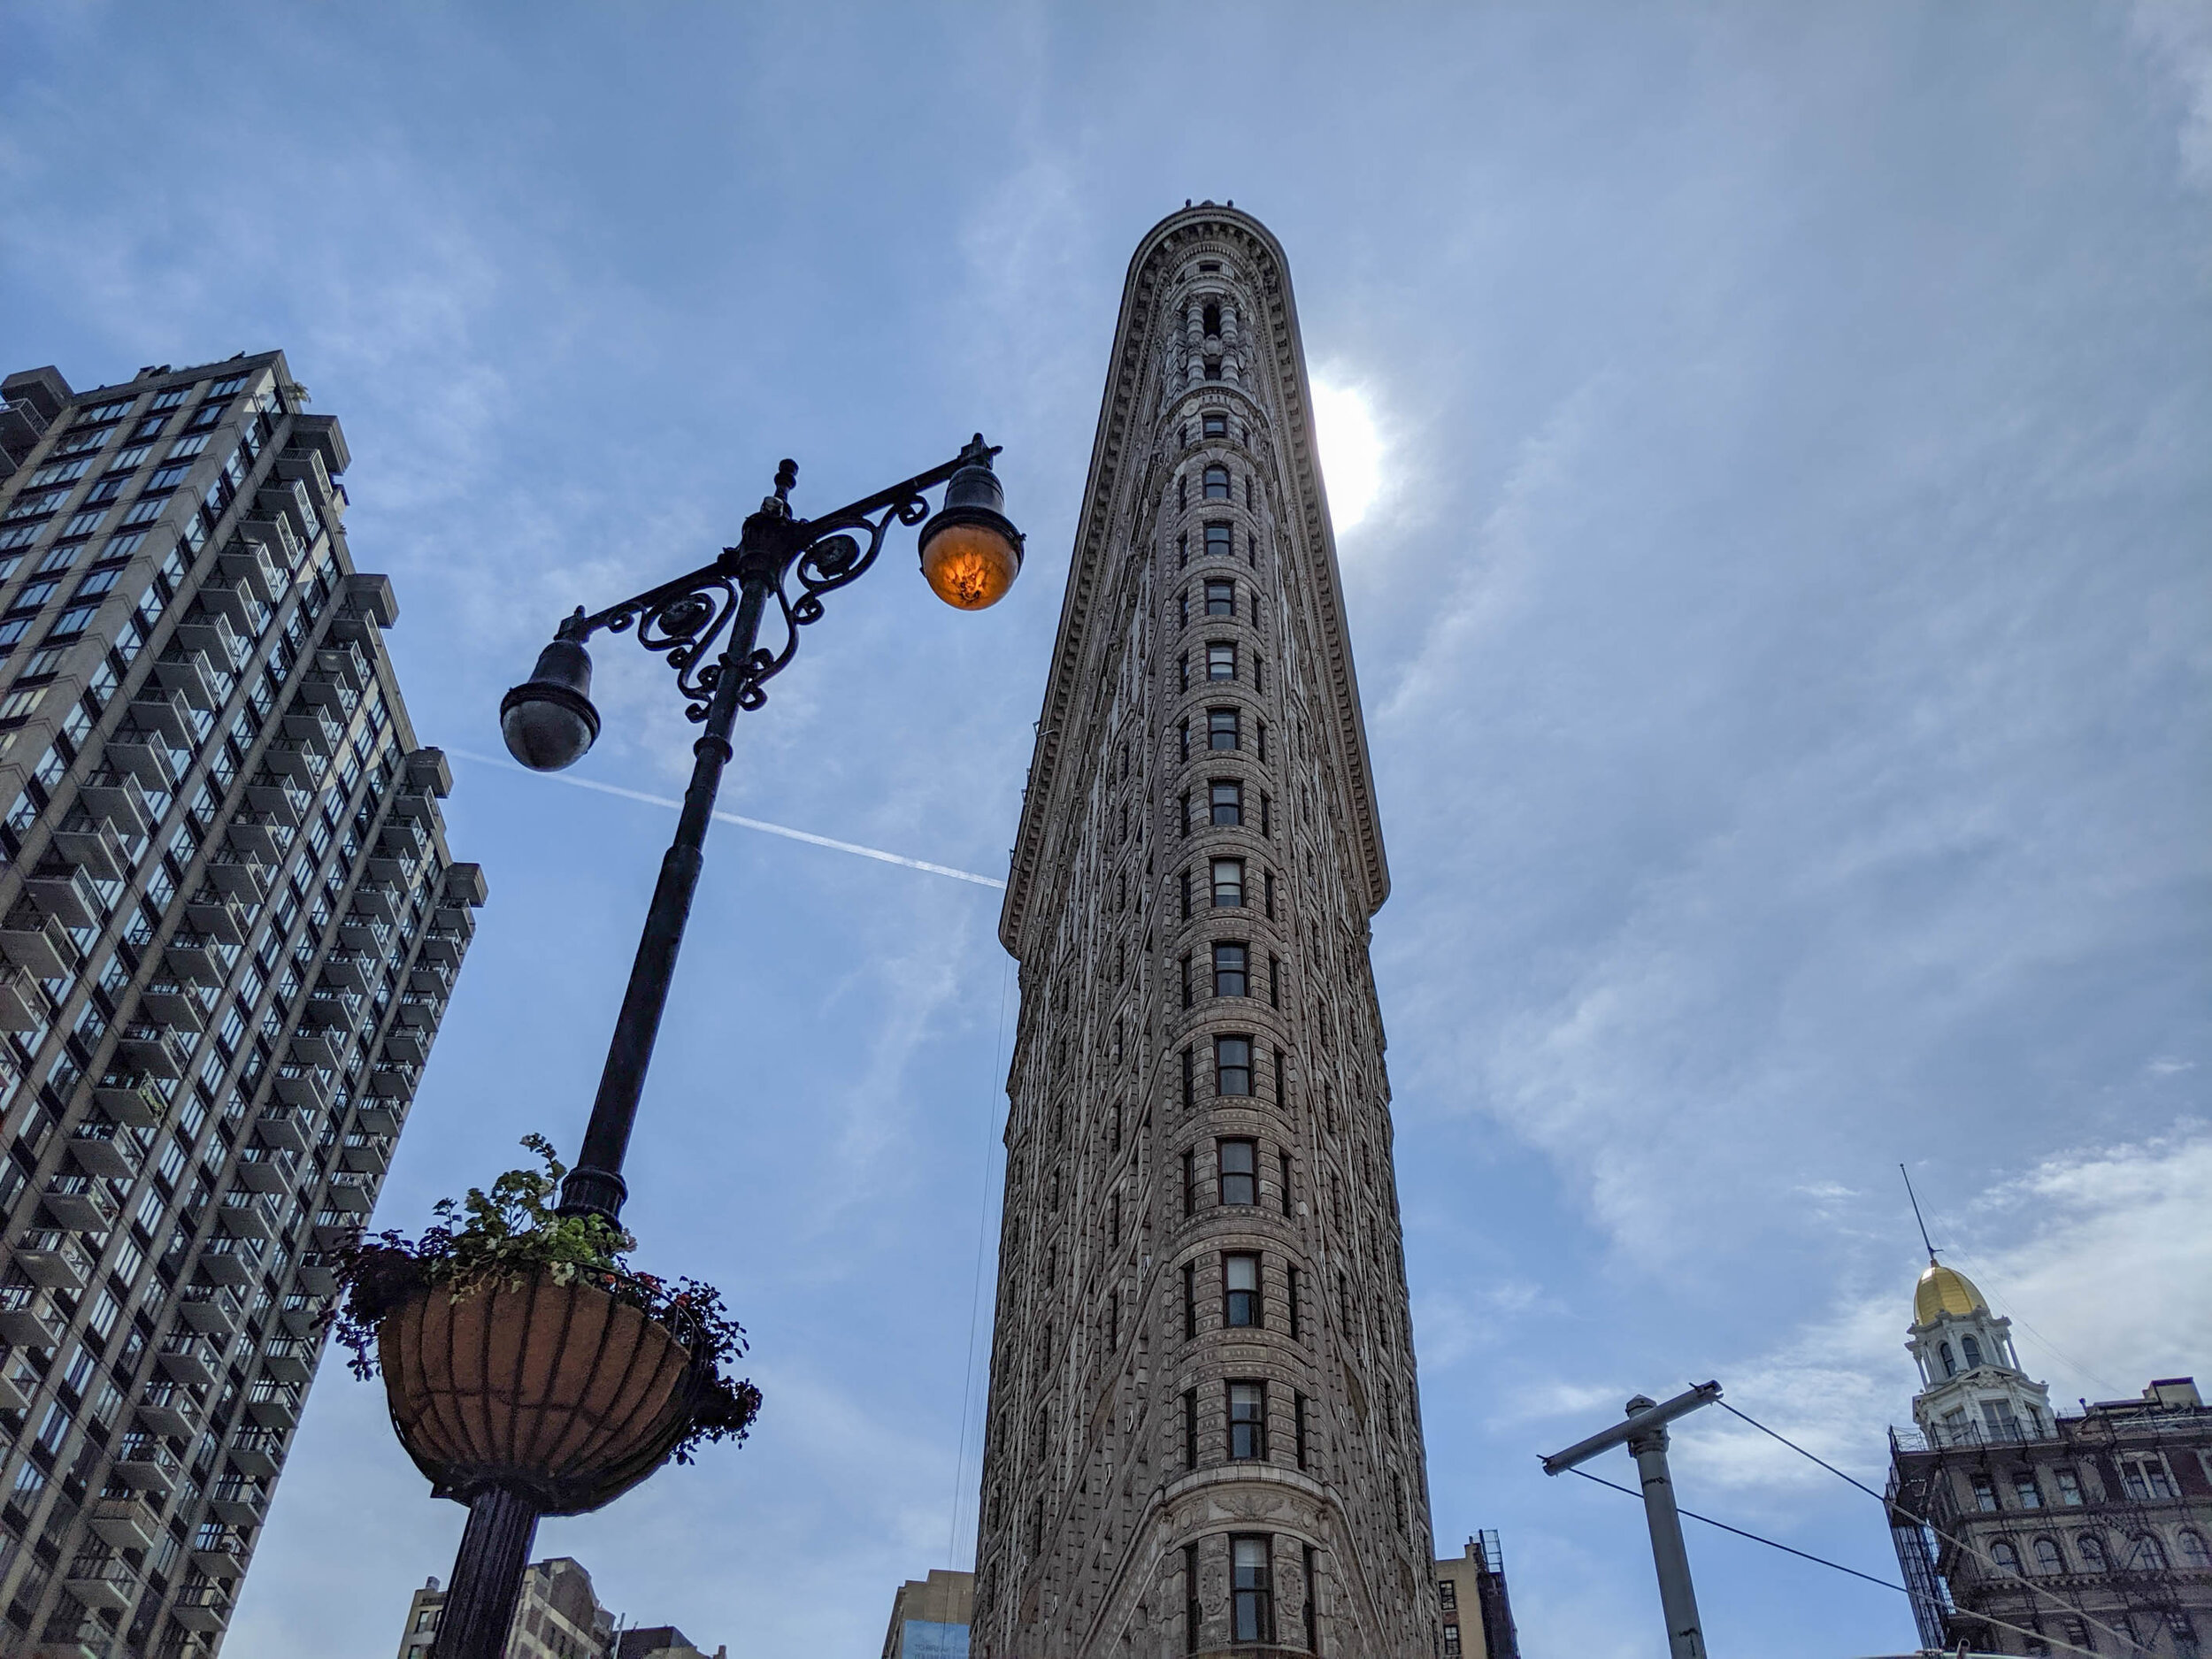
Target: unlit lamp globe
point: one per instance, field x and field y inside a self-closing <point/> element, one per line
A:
<point x="548" y="721"/>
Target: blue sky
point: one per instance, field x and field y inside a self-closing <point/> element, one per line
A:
<point x="1781" y="605"/>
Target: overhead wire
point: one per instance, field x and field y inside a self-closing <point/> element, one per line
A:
<point x="2073" y="1609"/>
<point x="1754" y="1537"/>
<point x="975" y="1288"/>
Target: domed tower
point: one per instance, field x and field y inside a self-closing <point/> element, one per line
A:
<point x="1971" y="1384"/>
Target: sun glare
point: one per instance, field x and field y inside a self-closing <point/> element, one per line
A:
<point x="1351" y="451"/>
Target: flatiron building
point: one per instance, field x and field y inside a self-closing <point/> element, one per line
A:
<point x="1203" y="1430"/>
<point x="228" y="928"/>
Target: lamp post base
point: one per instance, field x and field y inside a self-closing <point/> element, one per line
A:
<point x="487" y="1571"/>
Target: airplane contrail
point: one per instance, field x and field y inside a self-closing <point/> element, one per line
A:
<point x="761" y="825"/>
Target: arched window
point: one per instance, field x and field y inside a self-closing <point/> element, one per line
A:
<point x="1209" y="319"/>
<point x="2146" y="1554"/>
<point x="1973" y="1351"/>
<point x="1217" y="483"/>
<point x="2005" y="1556"/>
<point x="2047" y="1557"/>
<point x="1950" y="1365"/>
<point x="2091" y="1549"/>
<point x="2193" y="1554"/>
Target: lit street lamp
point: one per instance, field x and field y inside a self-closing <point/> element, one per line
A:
<point x="970" y="555"/>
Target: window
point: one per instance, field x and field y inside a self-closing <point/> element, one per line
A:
<point x="1183" y="881"/>
<point x="1240" y="1291"/>
<point x="167" y="477"/>
<point x="1225" y="799"/>
<point x="34" y="595"/>
<point x="1298" y="1436"/>
<point x="1221" y="662"/>
<point x="2091" y="1549"/>
<point x="1267" y="816"/>
<point x="1972" y="1350"/>
<point x="1282" y="1166"/>
<point x="1313" y="1625"/>
<point x="1221" y="599"/>
<point x="1239" y="1163"/>
<point x="1255" y="1600"/>
<point x="1269" y="885"/>
<point x="1292" y="1298"/>
<point x="1228" y="882"/>
<point x="1190" y="1078"/>
<point x="1192" y="1614"/>
<point x="2145" y="1478"/>
<point x="2047" y="1557"/>
<point x="208" y="415"/>
<point x="2024" y="1487"/>
<point x="1182" y="675"/>
<point x="2069" y="1486"/>
<point x="2146" y="1554"/>
<point x="1232" y="1065"/>
<point x="1229" y="974"/>
<point x="2194" y="1552"/>
<point x="1220" y="544"/>
<point x="1985" y="1494"/>
<point x="2005" y="1556"/>
<point x="1214" y="423"/>
<point x="1247" y="1422"/>
<point x="1209" y="319"/>
<point x="1190" y="1428"/>
<point x="1190" y="1293"/>
<point x="1221" y="729"/>
<point x="1186" y="993"/>
<point x="224" y="388"/>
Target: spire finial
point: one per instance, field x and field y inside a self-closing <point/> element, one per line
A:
<point x="1909" y="1193"/>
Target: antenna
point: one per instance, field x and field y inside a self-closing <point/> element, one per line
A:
<point x="1902" y="1170"/>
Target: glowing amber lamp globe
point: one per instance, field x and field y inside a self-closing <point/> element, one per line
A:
<point x="971" y="552"/>
<point x="971" y="565"/>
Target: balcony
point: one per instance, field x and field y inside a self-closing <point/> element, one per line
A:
<point x="263" y="835"/>
<point x="414" y="806"/>
<point x="240" y="874"/>
<point x="229" y="1261"/>
<point x="325" y="1011"/>
<point x="219" y="917"/>
<point x="364" y="933"/>
<point x="211" y="1309"/>
<point x="281" y="799"/>
<point x="87" y="841"/>
<point x="244" y="561"/>
<point x="192" y="1359"/>
<point x="191" y="958"/>
<point x="290" y="758"/>
<point x="303" y="1090"/>
<point x="169" y="1409"/>
<point x="145" y="1047"/>
<point x="327" y="691"/>
<point x="79" y="1203"/>
<point x="106" y="1584"/>
<point x="350" y="1192"/>
<point x="22" y="1004"/>
<point x="283" y="1129"/>
<point x="274" y="1406"/>
<point x="351" y="970"/>
<point x="141" y="753"/>
<point x="434" y="980"/>
<point x="164" y="712"/>
<point x="423" y="1012"/>
<point x="313" y="729"/>
<point x="375" y="902"/>
<point x="170" y="1002"/>
<point x="367" y="606"/>
<point x="238" y="1501"/>
<point x="186" y="672"/>
<point x="65" y="892"/>
<point x="365" y="1154"/>
<point x="246" y="1216"/>
<point x="130" y="1098"/>
<point x="147" y="1465"/>
<point x="202" y="1607"/>
<point x="260" y="1170"/>
<point x="54" y="1260"/>
<point x="258" y="1452"/>
<point x="222" y="1556"/>
<point x="318" y="1049"/>
<point x="107" y="1150"/>
<point x="402" y="840"/>
<point x="391" y="1083"/>
<point x="453" y="921"/>
<point x="407" y="1044"/>
<point x="316" y="1275"/>
<point x="115" y="799"/>
<point x="220" y="615"/>
<point x="124" y="1522"/>
<point x="27" y="1319"/>
<point x="376" y="1118"/>
<point x="35" y="942"/>
<point x="346" y="663"/>
<point x="300" y="1310"/>
<point x="17" y="1383"/>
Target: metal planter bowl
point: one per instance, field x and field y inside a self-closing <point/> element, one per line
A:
<point x="560" y="1393"/>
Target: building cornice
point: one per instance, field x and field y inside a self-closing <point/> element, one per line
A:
<point x="1274" y="340"/>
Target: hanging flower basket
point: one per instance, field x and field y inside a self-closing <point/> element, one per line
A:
<point x="520" y="1352"/>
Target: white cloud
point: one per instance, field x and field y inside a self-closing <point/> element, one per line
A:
<point x="1352" y="451"/>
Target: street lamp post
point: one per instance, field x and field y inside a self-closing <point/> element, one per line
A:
<point x="970" y="555"/>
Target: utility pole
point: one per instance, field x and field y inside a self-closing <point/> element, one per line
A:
<point x="1645" y="1434"/>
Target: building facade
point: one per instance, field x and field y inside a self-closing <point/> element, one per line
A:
<point x="1472" y="1600"/>
<point x="557" y="1617"/>
<point x="229" y="927"/>
<point x="929" y="1617"/>
<point x="1203" y="1432"/>
<point x="2025" y="1531"/>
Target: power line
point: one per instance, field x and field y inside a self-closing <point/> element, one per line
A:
<point x="1754" y="1537"/>
<point x="975" y="1289"/>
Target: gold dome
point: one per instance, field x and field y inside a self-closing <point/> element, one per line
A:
<point x="1945" y="1290"/>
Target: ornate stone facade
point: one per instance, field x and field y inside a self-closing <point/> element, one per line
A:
<point x="1203" y="1427"/>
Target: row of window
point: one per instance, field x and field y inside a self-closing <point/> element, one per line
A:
<point x="1246" y="1423"/>
<point x="2144" y="1475"/>
<point x="2142" y="1553"/>
<point x="1251" y="1594"/>
<point x="1231" y="973"/>
<point x="1224" y="730"/>
<point x="1219" y="541"/>
<point x="1220" y="666"/>
<point x="1225" y="809"/>
<point x="1216" y="596"/>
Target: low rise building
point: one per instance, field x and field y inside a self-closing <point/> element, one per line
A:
<point x="1477" y="1616"/>
<point x="2025" y="1531"/>
<point x="929" y="1617"/>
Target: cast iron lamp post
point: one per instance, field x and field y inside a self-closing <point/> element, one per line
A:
<point x="970" y="555"/>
